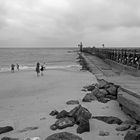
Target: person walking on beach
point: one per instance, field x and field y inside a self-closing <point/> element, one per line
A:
<point x="18" y="67"/>
<point x="42" y="69"/>
<point x="38" y="68"/>
<point x="12" y="68"/>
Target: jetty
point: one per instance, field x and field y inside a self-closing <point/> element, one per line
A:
<point x="121" y="67"/>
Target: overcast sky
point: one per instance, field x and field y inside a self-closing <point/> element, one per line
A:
<point x="64" y="23"/>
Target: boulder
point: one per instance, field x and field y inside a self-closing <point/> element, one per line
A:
<point x="103" y="99"/>
<point x="62" y="114"/>
<point x="95" y="91"/>
<point x="103" y="92"/>
<point x="9" y="138"/>
<point x="109" y="120"/>
<point x="132" y="135"/>
<point x="103" y="133"/>
<point x="90" y="87"/>
<point x="89" y="97"/>
<point x="73" y="111"/>
<point x="64" y="122"/>
<point x="123" y="127"/>
<point x="132" y="122"/>
<point x="63" y="136"/>
<point x="112" y="90"/>
<point x="72" y="102"/>
<point x="133" y="127"/>
<point x="6" y="129"/>
<point x="83" y="125"/>
<point x="102" y="83"/>
<point x="111" y="97"/>
<point x="53" y="127"/>
<point x="54" y="112"/>
<point x="138" y="129"/>
<point x="82" y="113"/>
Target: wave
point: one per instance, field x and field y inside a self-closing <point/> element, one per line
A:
<point x="25" y="68"/>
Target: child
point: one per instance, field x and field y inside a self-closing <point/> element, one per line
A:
<point x="42" y="69"/>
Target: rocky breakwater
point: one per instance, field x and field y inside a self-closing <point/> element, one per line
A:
<point x="103" y="92"/>
<point x="78" y="115"/>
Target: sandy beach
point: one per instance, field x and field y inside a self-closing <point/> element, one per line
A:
<point x="26" y="101"/>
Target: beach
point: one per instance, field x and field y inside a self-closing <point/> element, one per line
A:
<point x="26" y="101"/>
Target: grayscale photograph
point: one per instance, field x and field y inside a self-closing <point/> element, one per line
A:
<point x="70" y="69"/>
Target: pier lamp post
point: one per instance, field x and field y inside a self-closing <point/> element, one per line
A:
<point x="80" y="46"/>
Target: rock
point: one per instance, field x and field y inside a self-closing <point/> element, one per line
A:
<point x="63" y="136"/>
<point x="138" y="129"/>
<point x="111" y="97"/>
<point x="89" y="97"/>
<point x="64" y="122"/>
<point x="103" y="92"/>
<point x="83" y="126"/>
<point x="102" y="83"/>
<point x="73" y="111"/>
<point x="28" y="129"/>
<point x="53" y="127"/>
<point x="132" y="122"/>
<point x="90" y="87"/>
<point x="123" y="127"/>
<point x="72" y="102"/>
<point x="112" y="90"/>
<point x="54" y="112"/>
<point x="9" y="138"/>
<point x="109" y="120"/>
<point x="103" y="99"/>
<point x="84" y="90"/>
<point x="43" y="118"/>
<point x="6" y="129"/>
<point x="62" y="114"/>
<point x="132" y="135"/>
<point x="95" y="91"/>
<point x="133" y="127"/>
<point x="103" y="133"/>
<point x="82" y="113"/>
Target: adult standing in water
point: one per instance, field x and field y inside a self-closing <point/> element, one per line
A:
<point x="18" y="67"/>
<point x="12" y="68"/>
<point x="38" y="68"/>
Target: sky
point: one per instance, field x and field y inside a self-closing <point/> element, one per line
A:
<point x="65" y="23"/>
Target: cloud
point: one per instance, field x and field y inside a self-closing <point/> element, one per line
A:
<point x="65" y="21"/>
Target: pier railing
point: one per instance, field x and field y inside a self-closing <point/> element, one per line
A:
<point x="129" y="57"/>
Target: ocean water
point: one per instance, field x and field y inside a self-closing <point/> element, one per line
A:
<point x="28" y="57"/>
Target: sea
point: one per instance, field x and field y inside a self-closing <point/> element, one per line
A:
<point x="28" y="57"/>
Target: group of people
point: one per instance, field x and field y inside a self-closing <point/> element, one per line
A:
<point x="39" y="69"/>
<point x="13" y="67"/>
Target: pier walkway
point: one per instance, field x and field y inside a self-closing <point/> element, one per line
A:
<point x="129" y="93"/>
